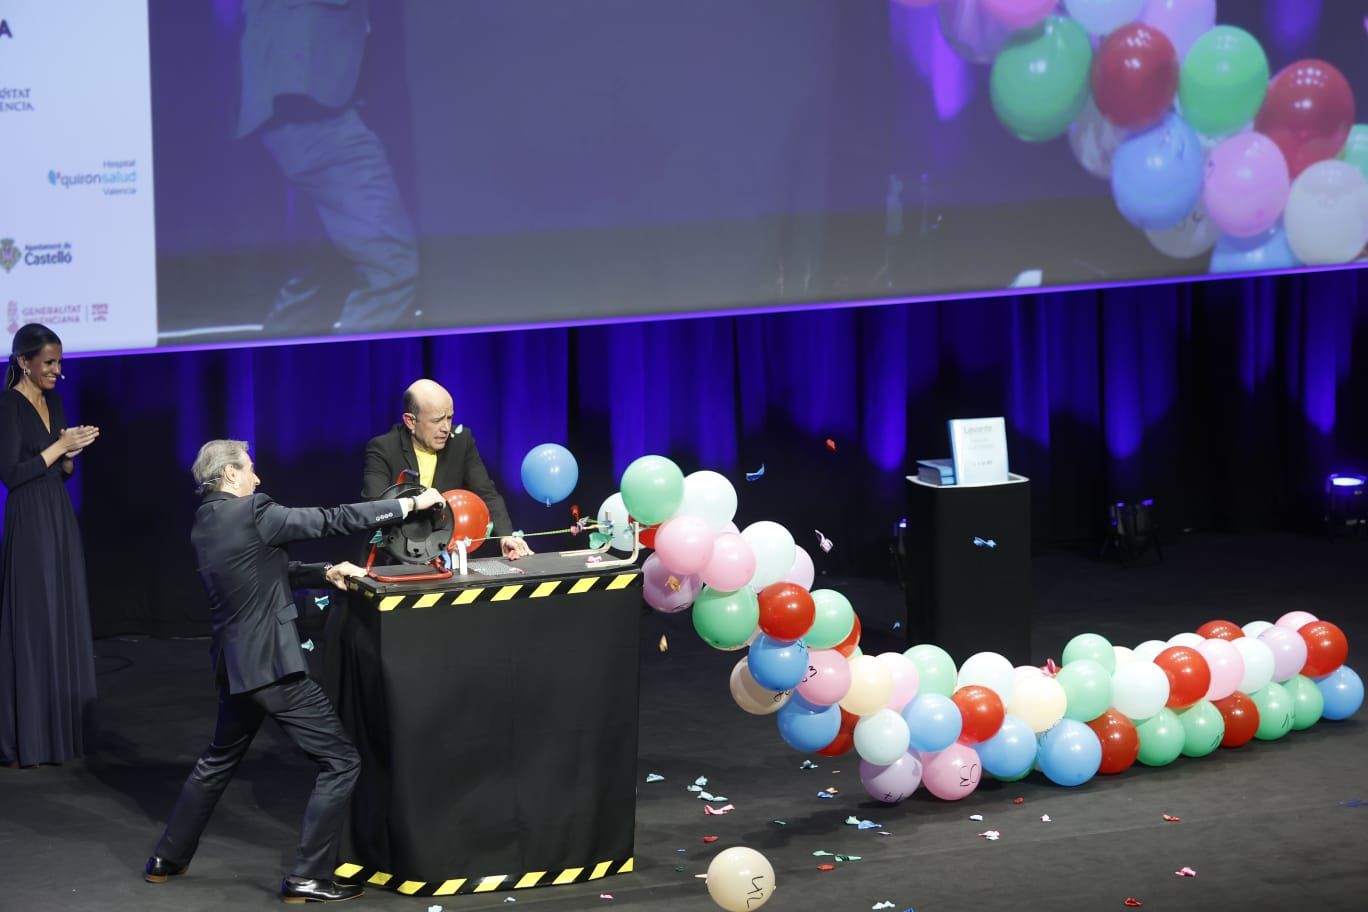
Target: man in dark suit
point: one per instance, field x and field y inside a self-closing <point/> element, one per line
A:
<point x="301" y="62"/>
<point x="443" y="458"/>
<point x="239" y="538"/>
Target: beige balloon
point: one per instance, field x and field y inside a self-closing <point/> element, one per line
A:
<point x="740" y="879"/>
<point x="1039" y="702"/>
<point x="750" y="696"/>
<point x="871" y="685"/>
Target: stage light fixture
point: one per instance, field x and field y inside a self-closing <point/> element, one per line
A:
<point x="1133" y="531"/>
<point x="1346" y="502"/>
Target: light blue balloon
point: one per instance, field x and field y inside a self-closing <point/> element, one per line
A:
<point x="1264" y="251"/>
<point x="1069" y="754"/>
<point x="808" y="728"/>
<point x="933" y="722"/>
<point x="1011" y="751"/>
<point x="549" y="473"/>
<point x="1343" y="692"/>
<point x="1157" y="174"/>
<point x="777" y="664"/>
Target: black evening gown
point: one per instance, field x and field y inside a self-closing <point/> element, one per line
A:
<point x="47" y="665"/>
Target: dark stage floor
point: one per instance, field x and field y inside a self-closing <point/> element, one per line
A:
<point x="1264" y="826"/>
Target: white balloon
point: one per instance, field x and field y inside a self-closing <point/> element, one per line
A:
<point x="1139" y="690"/>
<point x="774" y="551"/>
<point x="1094" y="140"/>
<point x="881" y="738"/>
<point x="750" y="696"/>
<point x="1186" y="639"/>
<point x="990" y="670"/>
<point x="1254" y="628"/>
<point x="1327" y="214"/>
<point x="613" y="513"/>
<point x="1101" y="17"/>
<point x="1258" y="663"/>
<point x="740" y="879"/>
<point x="710" y="497"/>
<point x="1124" y="655"/>
<point x="1021" y="672"/>
<point x="1193" y="236"/>
<point x="1147" y="650"/>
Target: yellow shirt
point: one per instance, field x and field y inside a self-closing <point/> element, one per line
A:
<point x="427" y="466"/>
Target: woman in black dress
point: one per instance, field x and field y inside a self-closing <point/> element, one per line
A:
<point x="47" y="668"/>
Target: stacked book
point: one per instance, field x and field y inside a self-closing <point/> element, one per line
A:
<point x="936" y="471"/>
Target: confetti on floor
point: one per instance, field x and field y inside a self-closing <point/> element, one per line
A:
<point x="1018" y="801"/>
<point x="654" y="777"/>
<point x="1185" y="872"/>
<point x="991" y="835"/>
<point x="807" y="765"/>
<point x="1132" y="901"/>
<point x="605" y="896"/>
<point x="1171" y="819"/>
<point x="882" y="905"/>
<point x="1352" y="803"/>
<point x="717" y="812"/>
<point x="826" y="867"/>
<point x="978" y="817"/>
<point x="757" y="474"/>
<point x="825" y="795"/>
<point x="707" y="839"/>
<point x="779" y="822"/>
<point x="1045" y="818"/>
<point x="664" y="644"/>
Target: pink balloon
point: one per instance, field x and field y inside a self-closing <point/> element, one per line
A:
<point x="1018" y="14"/>
<point x="893" y="783"/>
<point x="802" y="572"/>
<point x="906" y="679"/>
<point x="1247" y="185"/>
<point x="658" y="591"/>
<point x="1289" y="651"/>
<point x="1295" y="620"/>
<point x="1181" y="21"/>
<point x="685" y="544"/>
<point x="953" y="773"/>
<point x="1227" y="667"/>
<point x="732" y="563"/>
<point x="828" y="678"/>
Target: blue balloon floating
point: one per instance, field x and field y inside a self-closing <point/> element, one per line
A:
<point x="777" y="664"/>
<point x="549" y="473"/>
<point x="1343" y="692"/>
<point x="808" y="728"/>
<point x="1069" y="754"/>
<point x="1157" y="175"/>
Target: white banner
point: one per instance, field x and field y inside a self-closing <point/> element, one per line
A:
<point x="77" y="240"/>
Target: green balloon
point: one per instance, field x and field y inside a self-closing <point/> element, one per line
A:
<point x="1355" y="151"/>
<point x="833" y="621"/>
<point x="1039" y="82"/>
<point x="1307" y="701"/>
<point x="1017" y="778"/>
<point x="652" y="489"/>
<point x="1276" y="711"/>
<point x="1091" y="646"/>
<point x="1087" y="689"/>
<point x="1223" y="81"/>
<point x="1161" y="738"/>
<point x="726" y="620"/>
<point x="936" y="672"/>
<point x="1203" y="728"/>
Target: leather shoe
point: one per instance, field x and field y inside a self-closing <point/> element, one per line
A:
<point x="307" y="889"/>
<point x="158" y="869"/>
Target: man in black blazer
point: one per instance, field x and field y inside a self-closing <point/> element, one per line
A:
<point x="425" y="438"/>
<point x="239" y="538"/>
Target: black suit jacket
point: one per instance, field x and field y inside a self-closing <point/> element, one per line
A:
<point x="458" y="466"/>
<point x="239" y="545"/>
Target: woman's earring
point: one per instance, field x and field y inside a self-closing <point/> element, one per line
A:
<point x="27" y="372"/>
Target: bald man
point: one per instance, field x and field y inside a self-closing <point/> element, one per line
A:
<point x="444" y="459"/>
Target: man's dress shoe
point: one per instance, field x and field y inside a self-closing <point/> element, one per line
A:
<point x="304" y="889"/>
<point x="158" y="869"/>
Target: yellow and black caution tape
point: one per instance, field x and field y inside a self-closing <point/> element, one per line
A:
<point x="371" y="877"/>
<point x="504" y="592"/>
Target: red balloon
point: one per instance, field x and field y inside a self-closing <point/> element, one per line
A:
<point x="1326" y="648"/>
<point x="469" y="516"/>
<point x="1135" y="76"/>
<point x="1188" y="673"/>
<point x="1308" y="112"/>
<point x="1241" y="716"/>
<point x="981" y="710"/>
<point x="786" y="610"/>
<point x="1120" y="741"/>
<point x="647" y="535"/>
<point x="1220" y="630"/>
<point x="847" y="646"/>
<point x="845" y="738"/>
